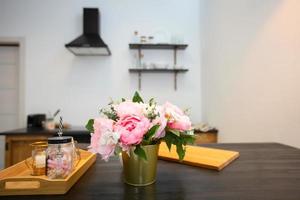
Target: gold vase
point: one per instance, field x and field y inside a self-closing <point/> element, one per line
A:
<point x="138" y="171"/>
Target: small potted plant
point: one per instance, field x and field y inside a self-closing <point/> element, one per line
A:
<point x="135" y="129"/>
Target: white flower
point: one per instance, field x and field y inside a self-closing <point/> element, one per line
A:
<point x="109" y="138"/>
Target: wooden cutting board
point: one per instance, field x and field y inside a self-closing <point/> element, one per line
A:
<point x="205" y="157"/>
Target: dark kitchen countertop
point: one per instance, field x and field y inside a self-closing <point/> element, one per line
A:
<point x="264" y="171"/>
<point x="79" y="133"/>
<point x="73" y="130"/>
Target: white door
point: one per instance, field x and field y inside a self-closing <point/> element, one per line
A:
<point x="9" y="87"/>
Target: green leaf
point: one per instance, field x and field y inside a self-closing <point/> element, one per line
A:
<point x="90" y="126"/>
<point x="123" y="99"/>
<point x="151" y="132"/>
<point x="175" y="132"/>
<point x="169" y="144"/>
<point x="188" y="140"/>
<point x="137" y="98"/>
<point x="169" y="138"/>
<point x="139" y="151"/>
<point x="180" y="151"/>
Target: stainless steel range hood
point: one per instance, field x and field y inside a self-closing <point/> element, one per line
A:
<point x="89" y="43"/>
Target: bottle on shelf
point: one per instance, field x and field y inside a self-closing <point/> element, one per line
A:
<point x="150" y="39"/>
<point x="138" y="60"/>
<point x="143" y="39"/>
<point x="135" y="38"/>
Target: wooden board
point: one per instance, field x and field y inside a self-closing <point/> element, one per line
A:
<point x="16" y="180"/>
<point x="200" y="156"/>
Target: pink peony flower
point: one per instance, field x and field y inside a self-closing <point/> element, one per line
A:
<point x="104" y="139"/>
<point x="132" y="129"/>
<point x="161" y="121"/>
<point x="128" y="108"/>
<point x="108" y="143"/>
<point x="176" y="118"/>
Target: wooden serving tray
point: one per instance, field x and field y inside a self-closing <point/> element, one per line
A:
<point x="205" y="157"/>
<point x="17" y="179"/>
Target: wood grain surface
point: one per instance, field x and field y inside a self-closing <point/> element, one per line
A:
<point x="210" y="158"/>
<point x="17" y="179"/>
<point x="264" y="171"/>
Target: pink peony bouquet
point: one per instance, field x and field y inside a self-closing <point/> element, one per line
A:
<point x="134" y="123"/>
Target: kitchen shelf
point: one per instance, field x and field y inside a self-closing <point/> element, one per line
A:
<point x="167" y="46"/>
<point x="157" y="70"/>
<point x="157" y="46"/>
<point x="137" y="70"/>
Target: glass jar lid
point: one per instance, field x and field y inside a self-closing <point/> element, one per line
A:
<point x="40" y="144"/>
<point x="60" y="140"/>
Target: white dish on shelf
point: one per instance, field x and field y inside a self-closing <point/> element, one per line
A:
<point x="161" y="36"/>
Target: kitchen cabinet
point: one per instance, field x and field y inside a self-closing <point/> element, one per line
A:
<point x="206" y="137"/>
<point x="17" y="148"/>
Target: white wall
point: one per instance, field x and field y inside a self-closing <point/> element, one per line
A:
<point x="55" y="78"/>
<point x="251" y="69"/>
<point x="248" y="51"/>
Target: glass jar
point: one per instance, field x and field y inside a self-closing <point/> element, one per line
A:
<point x="61" y="157"/>
<point x="37" y="162"/>
<point x="49" y="124"/>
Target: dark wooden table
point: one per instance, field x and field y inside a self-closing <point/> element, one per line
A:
<point x="264" y="171"/>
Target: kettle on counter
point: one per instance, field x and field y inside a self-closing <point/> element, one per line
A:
<point x="36" y="120"/>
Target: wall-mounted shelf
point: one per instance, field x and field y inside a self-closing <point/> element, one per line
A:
<point x="140" y="70"/>
<point x="175" y="70"/>
<point x="158" y="70"/>
<point x="157" y="46"/>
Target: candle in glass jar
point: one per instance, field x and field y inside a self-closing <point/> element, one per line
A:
<point x="40" y="161"/>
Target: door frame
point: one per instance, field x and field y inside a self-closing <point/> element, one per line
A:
<point x="20" y="41"/>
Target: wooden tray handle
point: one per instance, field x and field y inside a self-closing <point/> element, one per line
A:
<point x="22" y="183"/>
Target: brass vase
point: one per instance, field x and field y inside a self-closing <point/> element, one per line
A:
<point x="138" y="171"/>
